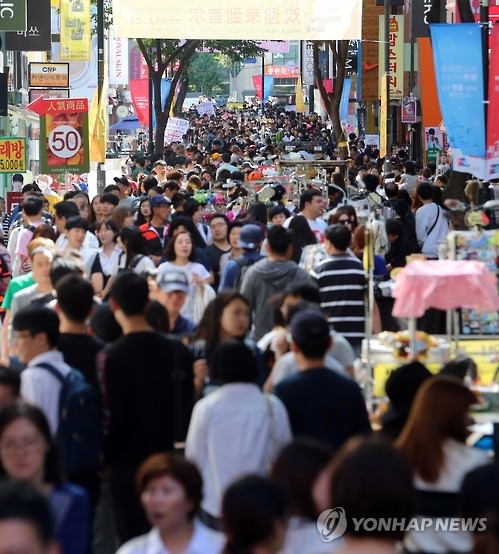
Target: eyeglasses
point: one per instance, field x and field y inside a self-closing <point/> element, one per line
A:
<point x="28" y="443"/>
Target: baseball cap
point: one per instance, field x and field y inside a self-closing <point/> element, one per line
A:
<point x="159" y="162"/>
<point x="159" y="200"/>
<point x="122" y="181"/>
<point x="251" y="236"/>
<point x="173" y="281"/>
<point x="309" y="325"/>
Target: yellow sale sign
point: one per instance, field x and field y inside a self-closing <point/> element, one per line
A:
<point x="12" y="155"/>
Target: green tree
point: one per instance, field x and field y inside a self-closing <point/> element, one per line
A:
<point x="332" y="100"/>
<point x="205" y="73"/>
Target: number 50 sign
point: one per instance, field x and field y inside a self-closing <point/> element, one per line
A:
<point x="64" y="137"/>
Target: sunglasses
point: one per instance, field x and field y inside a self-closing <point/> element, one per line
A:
<point x="343" y="221"/>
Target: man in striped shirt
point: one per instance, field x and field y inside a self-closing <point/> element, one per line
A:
<point x="342" y="286"/>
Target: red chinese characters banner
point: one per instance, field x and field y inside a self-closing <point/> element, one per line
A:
<point x="64" y="136"/>
<point x="493" y="112"/>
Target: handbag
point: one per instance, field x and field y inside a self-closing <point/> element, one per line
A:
<point x="203" y="296"/>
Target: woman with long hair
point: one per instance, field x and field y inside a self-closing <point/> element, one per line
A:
<point x="170" y="490"/>
<point x="345" y="215"/>
<point x="302" y="236"/>
<point x="433" y="441"/>
<point x="134" y="256"/>
<point x="235" y="250"/>
<point x="184" y="223"/>
<point x="109" y="253"/>
<point x="122" y="217"/>
<point x="28" y="454"/>
<point x="144" y="213"/>
<point x="180" y="254"/>
<point x="193" y="210"/>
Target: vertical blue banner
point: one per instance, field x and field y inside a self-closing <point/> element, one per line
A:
<point x="345" y="96"/>
<point x="457" y="55"/>
<point x="165" y="89"/>
<point x="268" y="83"/>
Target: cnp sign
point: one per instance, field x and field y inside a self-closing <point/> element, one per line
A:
<point x="13" y="15"/>
<point x="49" y="75"/>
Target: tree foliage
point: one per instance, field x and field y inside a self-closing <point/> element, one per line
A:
<point x="205" y="73"/>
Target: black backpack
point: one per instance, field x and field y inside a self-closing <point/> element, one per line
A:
<point x="79" y="434"/>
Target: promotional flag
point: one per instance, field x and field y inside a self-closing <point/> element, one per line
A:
<point x="430" y="107"/>
<point x="345" y="97"/>
<point x="493" y="112"/>
<point x="118" y="59"/>
<point x="268" y="83"/>
<point x="383" y="120"/>
<point x="307" y="62"/>
<point x="139" y="90"/>
<point x="98" y="121"/>
<point x="299" y="102"/>
<point x="457" y="55"/>
<point x="75" y="30"/>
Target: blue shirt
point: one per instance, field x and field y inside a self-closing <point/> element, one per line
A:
<point x="184" y="327"/>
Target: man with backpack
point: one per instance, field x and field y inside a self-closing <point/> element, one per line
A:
<point x="234" y="271"/>
<point x="61" y="392"/>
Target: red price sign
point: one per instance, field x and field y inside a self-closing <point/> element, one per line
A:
<point x="64" y="142"/>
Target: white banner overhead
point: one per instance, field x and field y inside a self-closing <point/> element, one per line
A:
<point x="242" y="20"/>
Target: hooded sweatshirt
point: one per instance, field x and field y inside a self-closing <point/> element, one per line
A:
<point x="264" y="279"/>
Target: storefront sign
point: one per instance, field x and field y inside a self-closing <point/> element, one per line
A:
<point x="396" y="55"/>
<point x="244" y="20"/>
<point x="13" y="15"/>
<point x="49" y="75"/>
<point x="75" y="30"/>
<point x="282" y="71"/>
<point x="307" y="62"/>
<point x="12" y="155"/>
<point x="37" y="36"/>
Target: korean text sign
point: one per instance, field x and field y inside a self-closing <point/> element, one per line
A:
<point x="12" y="155"/>
<point x="64" y="137"/>
<point x="242" y="20"/>
<point x="75" y="30"/>
<point x="396" y="55"/>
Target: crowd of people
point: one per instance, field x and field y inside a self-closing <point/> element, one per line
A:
<point x="178" y="368"/>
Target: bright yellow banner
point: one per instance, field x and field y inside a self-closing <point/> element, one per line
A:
<point x="396" y="54"/>
<point x="241" y="20"/>
<point x="75" y="30"/>
<point x="97" y="123"/>
<point x="299" y="102"/>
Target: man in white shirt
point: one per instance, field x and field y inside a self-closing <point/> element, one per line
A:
<point x="312" y="208"/>
<point x="432" y="226"/>
<point x="36" y="333"/>
<point x="76" y="232"/>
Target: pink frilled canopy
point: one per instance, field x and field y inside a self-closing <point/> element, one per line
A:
<point x="444" y="285"/>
